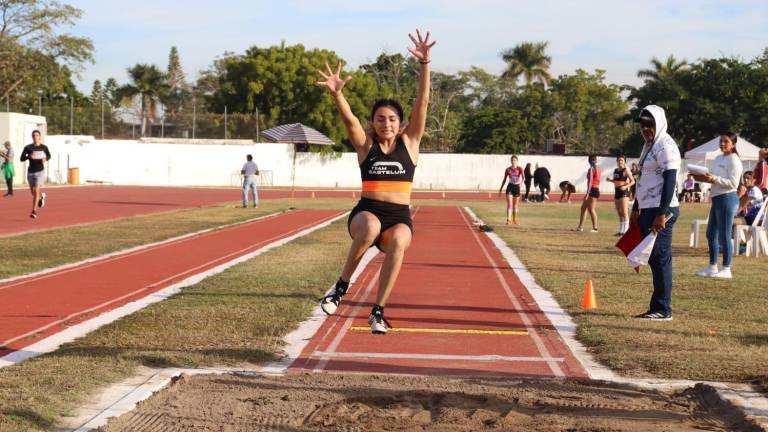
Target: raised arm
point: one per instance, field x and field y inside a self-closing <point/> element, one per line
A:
<point x="334" y="83"/>
<point x="417" y="123"/>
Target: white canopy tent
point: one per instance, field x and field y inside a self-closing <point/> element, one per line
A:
<point x="708" y="151"/>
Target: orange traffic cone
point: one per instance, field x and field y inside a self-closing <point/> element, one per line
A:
<point x="589" y="301"/>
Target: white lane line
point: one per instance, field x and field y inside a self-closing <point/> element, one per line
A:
<point x="69" y="334"/>
<point x="553" y="366"/>
<point x="66" y="268"/>
<point x="448" y="357"/>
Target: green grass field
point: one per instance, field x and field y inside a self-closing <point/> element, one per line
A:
<point x="240" y="316"/>
<point x="720" y="327"/>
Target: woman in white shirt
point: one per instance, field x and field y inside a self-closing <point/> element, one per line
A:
<point x="724" y="177"/>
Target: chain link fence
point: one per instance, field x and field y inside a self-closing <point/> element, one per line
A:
<point x="118" y="123"/>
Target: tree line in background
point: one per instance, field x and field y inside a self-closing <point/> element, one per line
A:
<point x="473" y="111"/>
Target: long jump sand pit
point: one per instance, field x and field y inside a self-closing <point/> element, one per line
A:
<point x="327" y="402"/>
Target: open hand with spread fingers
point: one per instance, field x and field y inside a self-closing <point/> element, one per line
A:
<point x="422" y="48"/>
<point x="333" y="81"/>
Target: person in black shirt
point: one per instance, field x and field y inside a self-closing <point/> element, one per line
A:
<point x="528" y="178"/>
<point x="541" y="179"/>
<point x="37" y="153"/>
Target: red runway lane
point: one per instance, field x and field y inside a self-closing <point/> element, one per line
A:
<point x="36" y="307"/>
<point x="457" y="310"/>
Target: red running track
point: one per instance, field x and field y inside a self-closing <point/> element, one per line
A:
<point x="68" y="206"/>
<point x="39" y="306"/>
<point x="453" y="279"/>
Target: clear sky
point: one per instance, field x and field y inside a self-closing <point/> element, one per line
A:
<point x="616" y="35"/>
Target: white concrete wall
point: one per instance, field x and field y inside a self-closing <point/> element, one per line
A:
<point x="17" y="128"/>
<point x="139" y="163"/>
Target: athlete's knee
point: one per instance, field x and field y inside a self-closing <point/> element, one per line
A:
<point x="400" y="241"/>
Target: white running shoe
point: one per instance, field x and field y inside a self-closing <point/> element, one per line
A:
<point x="41" y="201"/>
<point x="379" y="324"/>
<point x="724" y="273"/>
<point x="708" y="272"/>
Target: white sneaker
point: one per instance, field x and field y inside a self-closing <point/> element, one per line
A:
<point x="724" y="273"/>
<point x="379" y="324"/>
<point x="708" y="272"/>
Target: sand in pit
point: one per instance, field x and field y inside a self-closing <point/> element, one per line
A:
<point x="326" y="402"/>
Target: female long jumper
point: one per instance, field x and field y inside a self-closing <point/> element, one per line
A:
<point x="387" y="156"/>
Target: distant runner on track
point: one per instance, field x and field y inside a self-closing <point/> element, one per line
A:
<point x="37" y="153"/>
<point x="387" y="156"/>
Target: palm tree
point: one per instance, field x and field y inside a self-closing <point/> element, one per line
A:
<point x="528" y="59"/>
<point x="149" y="84"/>
<point x="661" y="71"/>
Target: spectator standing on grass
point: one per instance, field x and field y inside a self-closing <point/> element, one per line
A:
<point x="656" y="208"/>
<point x="6" y="166"/>
<point x="528" y="179"/>
<point x="541" y="179"/>
<point x="250" y="171"/>
<point x="37" y="153"/>
<point x="592" y="195"/>
<point x="724" y="177"/>
<point x="761" y="171"/>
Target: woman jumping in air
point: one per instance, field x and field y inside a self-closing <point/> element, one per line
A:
<point x="387" y="154"/>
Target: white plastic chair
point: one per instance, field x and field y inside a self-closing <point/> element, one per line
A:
<point x="758" y="240"/>
<point x="695" y="231"/>
<point x="750" y="233"/>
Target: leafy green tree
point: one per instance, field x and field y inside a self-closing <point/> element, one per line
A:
<point x="396" y="76"/>
<point x="178" y="89"/>
<point x="148" y="85"/>
<point x="589" y="113"/>
<point x="34" y="54"/>
<point x="279" y="82"/>
<point x="662" y="71"/>
<point x="529" y="60"/>
<point x="494" y="131"/>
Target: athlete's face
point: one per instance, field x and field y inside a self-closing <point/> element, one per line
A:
<point x="726" y="145"/>
<point x="386" y="123"/>
<point x="36" y="137"/>
<point x="621" y="163"/>
<point x="514" y="162"/>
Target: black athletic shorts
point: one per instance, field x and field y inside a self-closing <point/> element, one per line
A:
<point x="594" y="192"/>
<point x="619" y="194"/>
<point x="513" y="189"/>
<point x="388" y="214"/>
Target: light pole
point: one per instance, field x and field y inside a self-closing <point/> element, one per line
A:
<point x="40" y="103"/>
<point x="102" y="118"/>
<point x="194" y="117"/>
<point x="71" y="115"/>
<point x="225" y="122"/>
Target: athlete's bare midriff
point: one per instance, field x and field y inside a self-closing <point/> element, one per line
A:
<point x="389" y="197"/>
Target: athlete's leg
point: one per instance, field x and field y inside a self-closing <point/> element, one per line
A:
<point x="394" y="242"/>
<point x="509" y="207"/>
<point x="515" y="208"/>
<point x="364" y="229"/>
<point x="591" y="204"/>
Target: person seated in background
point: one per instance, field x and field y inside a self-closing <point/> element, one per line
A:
<point x="750" y="202"/>
<point x="697" y="194"/>
<point x="566" y="189"/>
<point x="541" y="179"/>
<point x="688" y="185"/>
